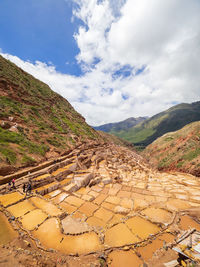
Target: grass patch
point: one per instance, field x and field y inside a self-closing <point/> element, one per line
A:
<point x="27" y="159"/>
<point x="180" y="164"/>
<point x="169" y="138"/>
<point x="54" y="142"/>
<point x="7" y="137"/>
<point x="10" y="137"/>
<point x="164" y="163"/>
<point x="8" y="154"/>
<point x="192" y="154"/>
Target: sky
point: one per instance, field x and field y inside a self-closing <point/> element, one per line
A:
<point x="111" y="59"/>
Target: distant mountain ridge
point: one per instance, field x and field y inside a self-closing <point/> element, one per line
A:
<point x="148" y="130"/>
<point x="119" y="126"/>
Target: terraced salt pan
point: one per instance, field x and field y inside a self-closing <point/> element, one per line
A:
<point x="87" y="197"/>
<point x="148" y="251"/>
<point x="177" y="205"/>
<point x="53" y="193"/>
<point x="60" y="198"/>
<point x="113" y="200"/>
<point x="168" y="238"/>
<point x="127" y="203"/>
<point x="195" y="198"/>
<point x="140" y="204"/>
<point x="72" y="200"/>
<point x="79" y="215"/>
<point x="74" y="226"/>
<point x="46" y="206"/>
<point x="83" y="191"/>
<point x="47" y="188"/>
<point x="98" y="200"/>
<point x="96" y="222"/>
<point x="32" y="219"/>
<point x="11" y="198"/>
<point x="187" y="222"/>
<point x="117" y="218"/>
<point x="67" y="207"/>
<point x="194" y="191"/>
<point x="21" y="208"/>
<point x="81" y="244"/>
<point x="7" y="233"/>
<point x="88" y="208"/>
<point x="158" y="215"/>
<point x="63" y="169"/>
<point x="103" y="214"/>
<point x="141" y="227"/>
<point x="50" y="236"/>
<point x="119" y="235"/>
<point x="66" y="181"/>
<point x="41" y="177"/>
<point x="108" y="206"/>
<point x="120" y="258"/>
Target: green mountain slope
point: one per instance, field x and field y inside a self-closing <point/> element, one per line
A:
<point x="35" y="122"/>
<point x="179" y="150"/>
<point x="119" y="126"/>
<point x="170" y="120"/>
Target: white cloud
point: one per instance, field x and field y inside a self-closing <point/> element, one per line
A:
<point x="163" y="36"/>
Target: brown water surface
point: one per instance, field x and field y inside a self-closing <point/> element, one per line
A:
<point x="68" y="208"/>
<point x="141" y="227"/>
<point x="46" y="206"/>
<point x="41" y="177"/>
<point x="50" y="236"/>
<point x="119" y="235"/>
<point x="187" y="222"/>
<point x="96" y="222"/>
<point x="123" y="259"/>
<point x="32" y="219"/>
<point x="10" y="198"/>
<point x="59" y="198"/>
<point x="20" y="208"/>
<point x="177" y="204"/>
<point x="7" y="233"/>
<point x="158" y="215"/>
<point x="88" y="208"/>
<point x="103" y="214"/>
<point x="74" y="201"/>
<point x="148" y="251"/>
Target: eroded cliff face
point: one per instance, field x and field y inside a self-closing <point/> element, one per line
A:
<point x="99" y="204"/>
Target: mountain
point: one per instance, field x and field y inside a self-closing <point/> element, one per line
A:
<point x="110" y="138"/>
<point x="178" y="150"/>
<point x="35" y="122"/>
<point x="115" y="128"/>
<point x="150" y="129"/>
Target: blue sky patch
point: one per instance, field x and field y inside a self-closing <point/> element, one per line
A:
<point x="125" y="96"/>
<point x="140" y="70"/>
<point x="123" y="72"/>
<point x="40" y="30"/>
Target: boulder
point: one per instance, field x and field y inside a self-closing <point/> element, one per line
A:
<point x="81" y="181"/>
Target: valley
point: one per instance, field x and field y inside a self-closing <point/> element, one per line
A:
<point x="92" y="200"/>
<point x="102" y="202"/>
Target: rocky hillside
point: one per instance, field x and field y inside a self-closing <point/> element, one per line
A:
<point x="116" y="128"/>
<point x="178" y="150"/>
<point x="35" y="122"/>
<point x="110" y="138"/>
<point x="172" y="119"/>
